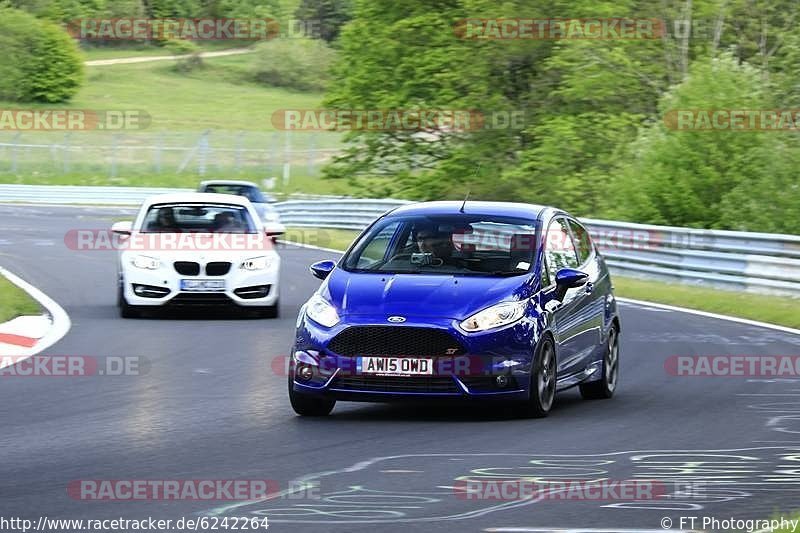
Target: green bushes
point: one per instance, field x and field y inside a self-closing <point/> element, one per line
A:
<point x="40" y="62"/>
<point x="181" y="47"/>
<point x="301" y="64"/>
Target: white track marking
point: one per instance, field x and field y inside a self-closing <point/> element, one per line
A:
<point x="61" y="322"/>
<point x="710" y="315"/>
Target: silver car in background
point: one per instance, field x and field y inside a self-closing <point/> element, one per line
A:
<point x="270" y="217"/>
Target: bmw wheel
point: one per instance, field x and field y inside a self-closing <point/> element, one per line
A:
<point x="125" y="309"/>
<point x="269" y="311"/>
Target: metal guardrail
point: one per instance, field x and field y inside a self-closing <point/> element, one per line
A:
<point x="351" y="213"/>
<point x="79" y="194"/>
<point x="744" y="261"/>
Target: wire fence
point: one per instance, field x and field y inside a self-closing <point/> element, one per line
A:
<point x="209" y="153"/>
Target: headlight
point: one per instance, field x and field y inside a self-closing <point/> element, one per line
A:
<point x="320" y="311"/>
<point x="255" y="263"/>
<point x="494" y="317"/>
<point x="144" y="261"/>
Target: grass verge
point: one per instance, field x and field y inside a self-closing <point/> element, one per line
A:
<point x="336" y="239"/>
<point x="778" y="518"/>
<point x="217" y="97"/>
<point x="15" y="302"/>
<point x="783" y="311"/>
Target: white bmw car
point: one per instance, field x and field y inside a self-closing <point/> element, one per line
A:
<point x="197" y="249"/>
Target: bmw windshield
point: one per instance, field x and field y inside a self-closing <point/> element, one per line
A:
<point x="449" y="244"/>
<point x="198" y="218"/>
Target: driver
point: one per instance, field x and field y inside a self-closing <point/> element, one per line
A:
<point x="430" y="240"/>
<point x="165" y="220"/>
<point x="225" y="222"/>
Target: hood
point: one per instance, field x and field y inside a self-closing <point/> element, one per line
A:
<point x="420" y="295"/>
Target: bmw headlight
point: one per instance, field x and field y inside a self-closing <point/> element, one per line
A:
<point x="255" y="263"/>
<point x="146" y="262"/>
<point x="320" y="311"/>
<point x="496" y="316"/>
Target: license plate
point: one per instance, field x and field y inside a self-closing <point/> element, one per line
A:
<point x="395" y="366"/>
<point x="203" y="285"/>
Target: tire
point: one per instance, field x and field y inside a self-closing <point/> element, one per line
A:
<point x="269" y="311"/>
<point x="604" y="388"/>
<point x="305" y="405"/>
<point x="125" y="309"/>
<point x="542" y="384"/>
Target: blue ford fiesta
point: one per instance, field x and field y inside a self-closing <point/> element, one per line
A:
<point x="472" y="300"/>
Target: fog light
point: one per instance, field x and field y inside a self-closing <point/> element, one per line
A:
<point x="304" y="372"/>
<point x="501" y="381"/>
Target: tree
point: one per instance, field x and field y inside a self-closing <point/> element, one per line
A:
<point x="41" y="62"/>
<point x="331" y="15"/>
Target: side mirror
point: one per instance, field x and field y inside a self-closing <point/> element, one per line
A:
<point x="122" y="228"/>
<point x="322" y="269"/>
<point x="569" y="278"/>
<point x="274" y="233"/>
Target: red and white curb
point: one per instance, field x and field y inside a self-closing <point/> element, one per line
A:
<point x="25" y="336"/>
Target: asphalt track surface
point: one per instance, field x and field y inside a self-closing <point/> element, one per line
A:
<point x="212" y="406"/>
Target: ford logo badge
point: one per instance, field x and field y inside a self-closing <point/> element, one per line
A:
<point x="396" y="319"/>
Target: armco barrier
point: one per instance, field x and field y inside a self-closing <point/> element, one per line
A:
<point x="755" y="262"/>
<point x="79" y="194"/>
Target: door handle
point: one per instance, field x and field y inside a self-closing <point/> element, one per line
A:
<point x="589" y="288"/>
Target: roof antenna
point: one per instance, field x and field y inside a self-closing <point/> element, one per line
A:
<point x="464" y="203"/>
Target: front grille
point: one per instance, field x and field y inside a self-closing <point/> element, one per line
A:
<point x="396" y="384"/>
<point x="219" y="268"/>
<point x="187" y="268"/>
<point x="201" y="298"/>
<point x="254" y="291"/>
<point x="394" y="340"/>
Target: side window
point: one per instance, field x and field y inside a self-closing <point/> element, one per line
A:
<point x="376" y="249"/>
<point x="559" y="250"/>
<point x="582" y="241"/>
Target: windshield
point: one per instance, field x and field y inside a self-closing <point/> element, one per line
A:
<point x="453" y="245"/>
<point x="248" y="191"/>
<point x="198" y="218"/>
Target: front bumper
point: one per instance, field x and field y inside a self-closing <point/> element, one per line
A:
<point x="490" y="365"/>
<point x="243" y="288"/>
